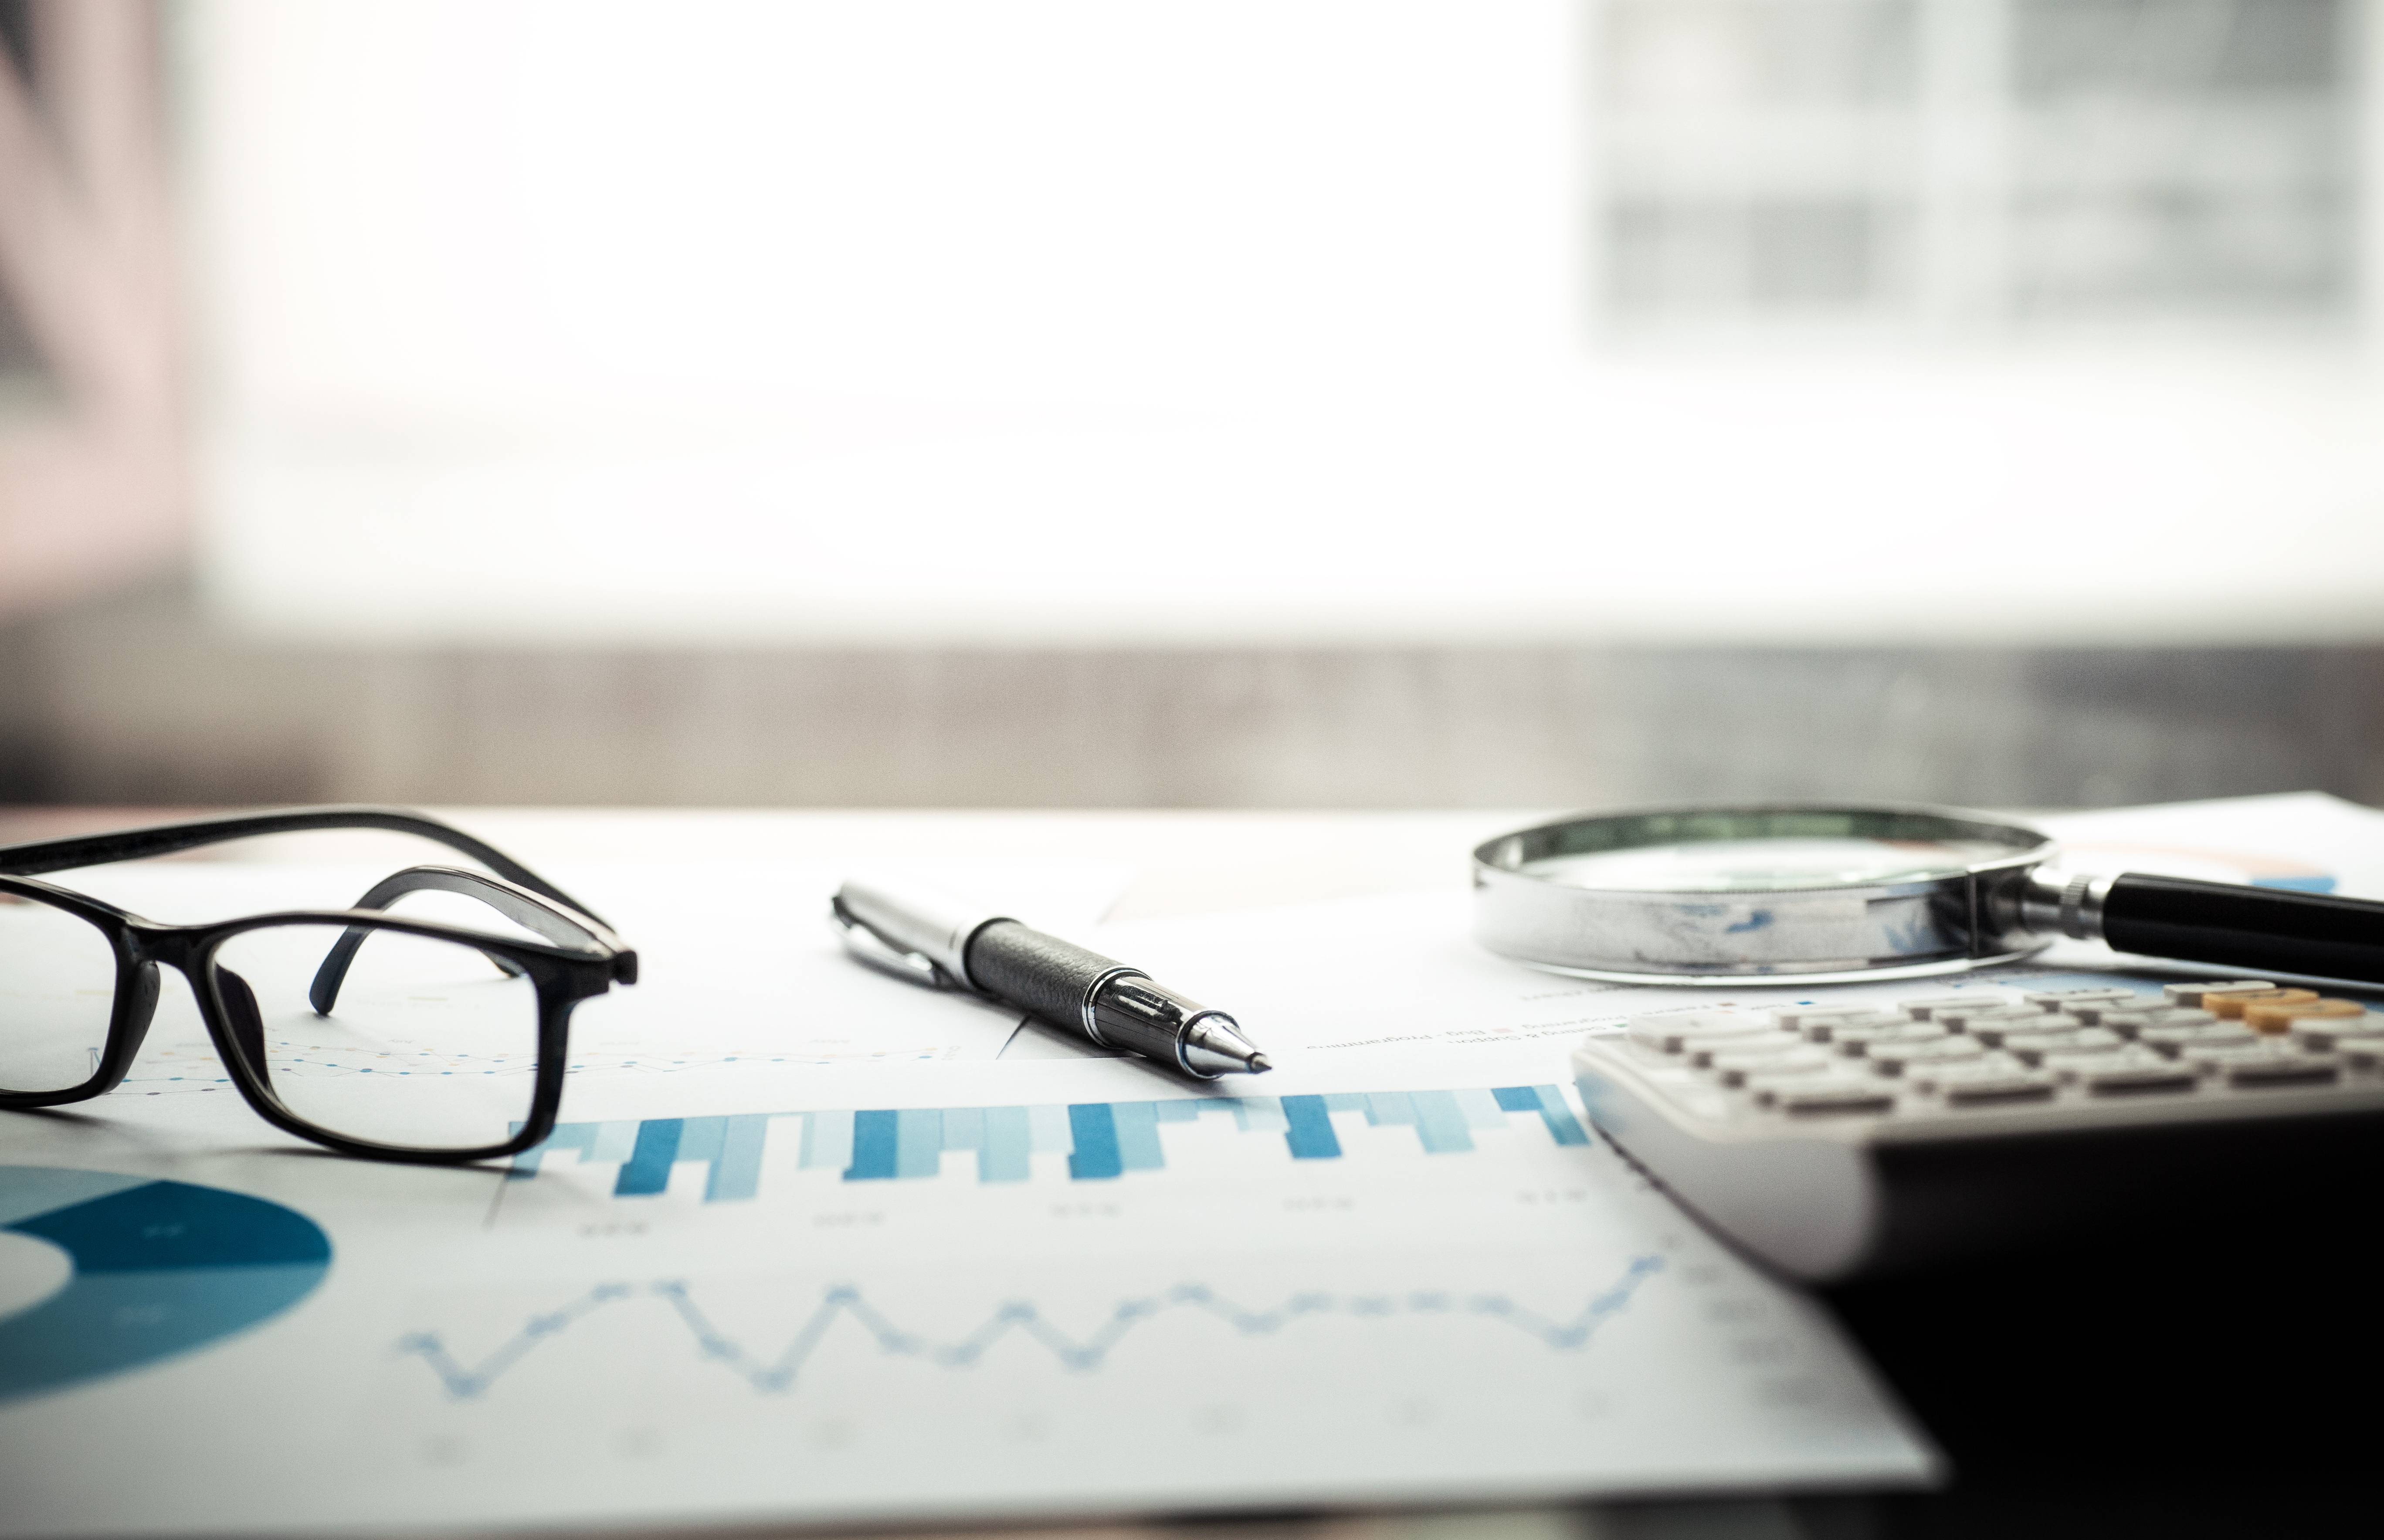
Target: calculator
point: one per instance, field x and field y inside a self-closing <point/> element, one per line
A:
<point x="1843" y="1141"/>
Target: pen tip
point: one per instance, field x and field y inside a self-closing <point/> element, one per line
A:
<point x="1258" y="1064"/>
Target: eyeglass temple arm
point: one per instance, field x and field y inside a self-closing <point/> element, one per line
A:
<point x="94" y="849"/>
<point x="525" y="909"/>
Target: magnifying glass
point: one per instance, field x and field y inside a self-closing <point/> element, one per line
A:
<point x="1834" y="894"/>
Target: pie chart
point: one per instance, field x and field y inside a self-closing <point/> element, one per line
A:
<point x="157" y="1269"/>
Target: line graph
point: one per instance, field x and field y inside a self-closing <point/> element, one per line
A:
<point x="778" y="1374"/>
<point x="193" y="1066"/>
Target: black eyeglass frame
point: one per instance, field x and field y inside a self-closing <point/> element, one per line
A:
<point x="580" y="959"/>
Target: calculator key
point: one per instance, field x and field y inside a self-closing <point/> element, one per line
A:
<point x="1932" y="1075"/>
<point x="1857" y="1040"/>
<point x="1831" y="1028"/>
<point x="1994" y="1028"/>
<point x="1737" y="1069"/>
<point x="2031" y="1048"/>
<point x="1897" y="1058"/>
<point x="1959" y="1017"/>
<point x="1670" y="1031"/>
<point x="2270" y="1017"/>
<point x="1805" y="1018"/>
<point x="2078" y="1066"/>
<point x="2094" y="1012"/>
<point x="2363" y="1054"/>
<point x="2194" y="996"/>
<point x="2137" y="1080"/>
<point x="2131" y="1023"/>
<point x="1701" y="1049"/>
<point x="1925" y="1009"/>
<point x="2231" y="1006"/>
<point x="1826" y="1094"/>
<point x="2286" y="1069"/>
<point x="2059" y="999"/>
<point x="2326" y="1031"/>
<point x="1989" y="1089"/>
<point x="2173" y="1040"/>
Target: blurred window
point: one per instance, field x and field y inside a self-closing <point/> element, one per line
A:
<point x="1211" y="322"/>
<point x="1999" y="165"/>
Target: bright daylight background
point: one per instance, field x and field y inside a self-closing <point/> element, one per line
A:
<point x="916" y="322"/>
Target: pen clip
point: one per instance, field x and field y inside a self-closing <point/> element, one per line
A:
<point x="884" y="956"/>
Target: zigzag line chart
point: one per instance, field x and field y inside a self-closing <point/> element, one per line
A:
<point x="780" y="1373"/>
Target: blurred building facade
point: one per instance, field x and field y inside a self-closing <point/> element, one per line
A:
<point x="1899" y="171"/>
<point x="1991" y="166"/>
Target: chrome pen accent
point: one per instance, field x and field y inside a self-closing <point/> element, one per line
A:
<point x="942" y="943"/>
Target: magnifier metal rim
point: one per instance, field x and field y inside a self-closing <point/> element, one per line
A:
<point x="1904" y="926"/>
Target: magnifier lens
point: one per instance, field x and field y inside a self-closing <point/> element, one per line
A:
<point x="1761" y="866"/>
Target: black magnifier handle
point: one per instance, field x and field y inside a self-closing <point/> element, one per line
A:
<point x="2259" y="928"/>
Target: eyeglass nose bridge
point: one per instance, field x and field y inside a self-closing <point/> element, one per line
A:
<point x="151" y="947"/>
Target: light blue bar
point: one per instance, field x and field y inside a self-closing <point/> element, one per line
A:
<point x="1344" y="1102"/>
<point x="614" y="1143"/>
<point x="1481" y="1109"/>
<point x="1261" y="1115"/>
<point x="1389" y="1109"/>
<point x="964" y="1128"/>
<point x="580" y="1136"/>
<point x="1179" y="1112"/>
<point x="1440" y="1123"/>
<point x="1048" y="1127"/>
<point x="827" y="1141"/>
<point x="736" y="1170"/>
<point x="1563" y="1126"/>
<point x="1008" y="1143"/>
<point x="1137" y="1135"/>
<point x="700" y="1140"/>
<point x="918" y="1142"/>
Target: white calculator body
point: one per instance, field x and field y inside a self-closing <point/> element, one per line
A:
<point x="1841" y="1141"/>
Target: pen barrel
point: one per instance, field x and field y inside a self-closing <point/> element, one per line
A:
<point x="1040" y="973"/>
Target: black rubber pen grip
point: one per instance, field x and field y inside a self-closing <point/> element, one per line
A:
<point x="1043" y="974"/>
<point x="2258" y="929"/>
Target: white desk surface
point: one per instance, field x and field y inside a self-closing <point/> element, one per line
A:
<point x="1185" y="861"/>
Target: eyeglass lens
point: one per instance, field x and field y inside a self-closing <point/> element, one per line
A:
<point x="427" y="1044"/>
<point x="58" y="994"/>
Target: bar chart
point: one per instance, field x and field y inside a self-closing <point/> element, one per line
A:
<point x="1098" y="1141"/>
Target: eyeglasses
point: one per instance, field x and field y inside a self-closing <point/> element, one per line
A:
<point x="391" y="1038"/>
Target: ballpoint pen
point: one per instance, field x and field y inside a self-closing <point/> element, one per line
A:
<point x="947" y="945"/>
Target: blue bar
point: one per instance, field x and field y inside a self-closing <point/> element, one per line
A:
<point x="1095" y="1132"/>
<point x="918" y="1143"/>
<point x="1440" y="1122"/>
<point x="873" y="1148"/>
<point x="737" y="1171"/>
<point x="1009" y="1141"/>
<point x="1138" y="1134"/>
<point x="1308" y="1129"/>
<point x="1559" y="1117"/>
<point x="1519" y="1098"/>
<point x="649" y="1167"/>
